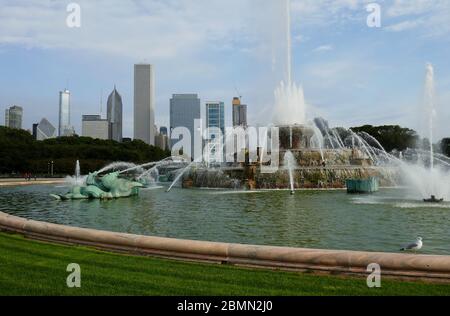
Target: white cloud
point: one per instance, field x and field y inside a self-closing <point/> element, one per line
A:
<point x="137" y="29"/>
<point x="323" y="48"/>
<point x="404" y="26"/>
<point x="413" y="7"/>
<point x="430" y="18"/>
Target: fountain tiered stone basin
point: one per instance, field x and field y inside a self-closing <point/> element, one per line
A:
<point x="313" y="168"/>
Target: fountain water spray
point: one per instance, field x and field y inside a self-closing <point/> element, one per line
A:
<point x="77" y="169"/>
<point x="289" y="161"/>
<point x="289" y="43"/>
<point x="76" y="179"/>
<point x="116" y="166"/>
<point x="430" y="107"/>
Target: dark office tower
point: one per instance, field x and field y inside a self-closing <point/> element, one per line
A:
<point x="114" y="116"/>
<point x="239" y="113"/>
<point x="184" y="110"/>
<point x="163" y="130"/>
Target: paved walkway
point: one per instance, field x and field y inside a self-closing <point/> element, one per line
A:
<point x="4" y="182"/>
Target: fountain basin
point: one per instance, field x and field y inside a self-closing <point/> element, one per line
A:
<point x="319" y="219"/>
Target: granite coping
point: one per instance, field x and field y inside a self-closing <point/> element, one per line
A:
<point x="285" y="258"/>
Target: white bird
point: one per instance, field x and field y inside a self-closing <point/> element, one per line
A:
<point x="417" y="245"/>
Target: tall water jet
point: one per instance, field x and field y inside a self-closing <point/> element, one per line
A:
<point x="290" y="106"/>
<point x="289" y="161"/>
<point x="77" y="170"/>
<point x="430" y="107"/>
<point x="288" y="43"/>
<point x="76" y="179"/>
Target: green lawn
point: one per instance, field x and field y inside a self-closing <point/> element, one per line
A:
<point x="33" y="268"/>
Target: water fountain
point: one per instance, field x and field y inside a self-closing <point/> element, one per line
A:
<point x="77" y="178"/>
<point x="112" y="185"/>
<point x="312" y="154"/>
<point x="289" y="161"/>
<point x="302" y="147"/>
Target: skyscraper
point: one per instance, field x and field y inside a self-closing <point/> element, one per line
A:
<point x="161" y="139"/>
<point x="144" y="108"/>
<point x="45" y="130"/>
<point x="215" y="120"/>
<point x="13" y="117"/>
<point x="95" y="127"/>
<point x="239" y="113"/>
<point x="64" y="113"/>
<point x="35" y="126"/>
<point x="163" y="130"/>
<point x="114" y="116"/>
<point x="184" y="110"/>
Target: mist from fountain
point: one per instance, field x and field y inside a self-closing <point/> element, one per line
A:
<point x="432" y="178"/>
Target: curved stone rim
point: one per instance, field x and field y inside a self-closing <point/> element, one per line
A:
<point x="285" y="258"/>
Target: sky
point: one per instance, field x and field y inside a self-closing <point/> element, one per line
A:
<point x="351" y="74"/>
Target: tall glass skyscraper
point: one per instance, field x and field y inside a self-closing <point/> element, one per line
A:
<point x="215" y="120"/>
<point x="144" y="103"/>
<point x="64" y="113"/>
<point x="13" y="117"/>
<point x="184" y="110"/>
<point x="114" y="116"/>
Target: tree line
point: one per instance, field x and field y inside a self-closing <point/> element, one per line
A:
<point x="21" y="153"/>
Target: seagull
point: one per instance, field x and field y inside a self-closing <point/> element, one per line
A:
<point x="417" y="245"/>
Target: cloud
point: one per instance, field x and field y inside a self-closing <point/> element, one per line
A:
<point x="136" y="29"/>
<point x="430" y="18"/>
<point x="404" y="26"/>
<point x="323" y="48"/>
<point x="413" y="7"/>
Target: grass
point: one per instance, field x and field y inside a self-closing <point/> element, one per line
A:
<point x="34" y="268"/>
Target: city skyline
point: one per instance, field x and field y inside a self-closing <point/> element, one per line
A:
<point x="184" y="109"/>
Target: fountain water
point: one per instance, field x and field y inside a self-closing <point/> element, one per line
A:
<point x="290" y="106"/>
<point x="77" y="169"/>
<point x="180" y="174"/>
<point x="343" y="153"/>
<point x="430" y="107"/>
<point x="117" y="166"/>
<point x="156" y="165"/>
<point x="76" y="179"/>
<point x="289" y="161"/>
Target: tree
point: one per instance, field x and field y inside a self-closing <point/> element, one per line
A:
<point x="445" y="146"/>
<point x="390" y="136"/>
